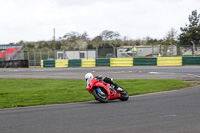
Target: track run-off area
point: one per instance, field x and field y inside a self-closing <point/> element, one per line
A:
<point x="164" y="112"/>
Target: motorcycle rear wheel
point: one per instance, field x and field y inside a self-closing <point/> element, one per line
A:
<point x="124" y="95"/>
<point x="99" y="97"/>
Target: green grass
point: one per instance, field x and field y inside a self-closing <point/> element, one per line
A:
<point x="29" y="92"/>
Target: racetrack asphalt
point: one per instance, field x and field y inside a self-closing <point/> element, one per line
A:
<point x="165" y="112"/>
<point x="185" y="73"/>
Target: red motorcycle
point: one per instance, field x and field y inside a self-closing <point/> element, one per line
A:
<point x="104" y="92"/>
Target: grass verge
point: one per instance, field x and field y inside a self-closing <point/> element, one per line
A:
<point x="29" y="92"/>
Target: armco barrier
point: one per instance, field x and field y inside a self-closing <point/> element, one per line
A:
<point x="48" y="63"/>
<point x="121" y="62"/>
<point x="169" y="61"/>
<point x="88" y="63"/>
<point x="61" y="63"/>
<point x="74" y="63"/>
<point x="102" y="62"/>
<point x="14" y="64"/>
<point x="191" y="60"/>
<point x="145" y="61"/>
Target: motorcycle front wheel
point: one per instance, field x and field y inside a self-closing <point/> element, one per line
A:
<point x="100" y="97"/>
<point x="124" y="95"/>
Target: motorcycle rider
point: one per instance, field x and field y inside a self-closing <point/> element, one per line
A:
<point x="106" y="79"/>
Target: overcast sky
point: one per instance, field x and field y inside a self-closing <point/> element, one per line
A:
<point x="34" y="20"/>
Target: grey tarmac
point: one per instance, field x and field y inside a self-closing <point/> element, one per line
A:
<point x="164" y="112"/>
<point x="185" y="73"/>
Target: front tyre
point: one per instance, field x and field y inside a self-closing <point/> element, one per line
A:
<point x="100" y="97"/>
<point x="124" y="95"/>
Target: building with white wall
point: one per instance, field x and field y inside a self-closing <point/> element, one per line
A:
<point x="76" y="54"/>
<point x="142" y="51"/>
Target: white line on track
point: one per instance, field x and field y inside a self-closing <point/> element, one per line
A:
<point x="38" y="70"/>
<point x="161" y="73"/>
<point x="194" y="75"/>
<point x="16" y="70"/>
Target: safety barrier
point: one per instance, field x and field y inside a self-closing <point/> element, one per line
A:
<point x="114" y="62"/>
<point x="74" y="63"/>
<point x="61" y="63"/>
<point x="42" y="64"/>
<point x="103" y="62"/>
<point x="88" y="63"/>
<point x="169" y="61"/>
<point x="14" y="64"/>
<point x="2" y="59"/>
<point x="191" y="60"/>
<point x="49" y="63"/>
<point x="145" y="61"/>
<point x="121" y="62"/>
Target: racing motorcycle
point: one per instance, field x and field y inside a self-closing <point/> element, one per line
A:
<point x="103" y="92"/>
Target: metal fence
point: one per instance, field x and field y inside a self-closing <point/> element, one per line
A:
<point x="35" y="56"/>
<point x="158" y="51"/>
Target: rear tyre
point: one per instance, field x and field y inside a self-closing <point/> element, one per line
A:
<point x="100" y="97"/>
<point x="124" y="95"/>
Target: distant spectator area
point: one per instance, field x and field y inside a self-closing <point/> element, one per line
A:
<point x="6" y="47"/>
<point x="9" y="51"/>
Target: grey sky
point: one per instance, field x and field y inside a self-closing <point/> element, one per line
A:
<point x="34" y="20"/>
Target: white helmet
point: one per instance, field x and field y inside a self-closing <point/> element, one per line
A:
<point x="89" y="75"/>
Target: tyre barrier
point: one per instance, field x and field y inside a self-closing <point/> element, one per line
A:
<point x="102" y="62"/>
<point x="49" y="63"/>
<point x="191" y="60"/>
<point x="61" y="63"/>
<point x="75" y="63"/>
<point x="120" y="62"/>
<point x="169" y="61"/>
<point x="145" y="61"/>
<point x="88" y="63"/>
<point x="14" y="64"/>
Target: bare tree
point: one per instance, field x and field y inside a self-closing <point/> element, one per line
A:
<point x="171" y="36"/>
<point x="76" y="40"/>
<point x="98" y="41"/>
<point x="109" y="35"/>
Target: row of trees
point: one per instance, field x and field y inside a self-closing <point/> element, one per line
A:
<point x="75" y="40"/>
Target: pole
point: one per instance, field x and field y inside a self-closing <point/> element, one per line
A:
<point x="193" y="48"/>
<point x="79" y="52"/>
<point x="87" y="53"/>
<point x="152" y="49"/>
<point x="28" y="58"/>
<point x="171" y="49"/>
<point x="54" y="53"/>
<point x="6" y="55"/>
<point x="40" y="56"/>
<point x="113" y="51"/>
<point x="54" y="34"/>
<point x="48" y="53"/>
<point x="96" y="52"/>
<point x="63" y="53"/>
<point x="133" y="51"/>
<point x="34" y="57"/>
